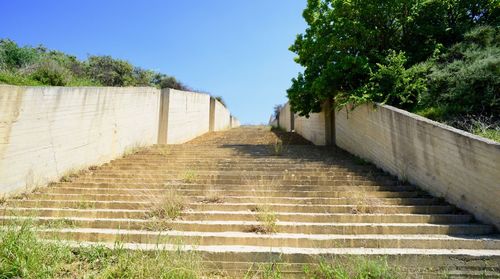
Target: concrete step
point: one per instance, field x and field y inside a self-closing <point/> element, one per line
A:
<point x="244" y="216"/>
<point x="219" y="197"/>
<point x="291" y="182"/>
<point x="181" y="184"/>
<point x="146" y="195"/>
<point x="246" y="165"/>
<point x="213" y="166"/>
<point x="121" y="187"/>
<point x="321" y="198"/>
<point x="199" y="206"/>
<point x="273" y="240"/>
<point x="239" y="175"/>
<point x="411" y="263"/>
<point x="251" y="226"/>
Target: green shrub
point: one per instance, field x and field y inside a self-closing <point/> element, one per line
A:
<point x="41" y="66"/>
<point x="14" y="57"/>
<point x="49" y="72"/>
<point x="465" y="79"/>
<point x="110" y="72"/>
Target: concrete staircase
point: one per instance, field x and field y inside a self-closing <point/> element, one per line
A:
<point x="327" y="204"/>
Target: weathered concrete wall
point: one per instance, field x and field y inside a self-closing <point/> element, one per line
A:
<point x="312" y="128"/>
<point x="188" y="115"/>
<point x="284" y="119"/>
<point x="222" y="117"/>
<point x="47" y="131"/>
<point x="449" y="163"/>
<point x="235" y="123"/>
<point x="315" y="128"/>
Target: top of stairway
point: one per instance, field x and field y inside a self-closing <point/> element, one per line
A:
<point x="250" y="135"/>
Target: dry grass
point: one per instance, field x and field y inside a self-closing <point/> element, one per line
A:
<point x="165" y="151"/>
<point x="71" y="174"/>
<point x="134" y="149"/>
<point x="213" y="197"/>
<point x="265" y="216"/>
<point x="364" y="204"/>
<point x="267" y="220"/>
<point x="167" y="206"/>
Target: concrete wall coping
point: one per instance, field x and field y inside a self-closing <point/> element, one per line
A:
<point x="438" y="124"/>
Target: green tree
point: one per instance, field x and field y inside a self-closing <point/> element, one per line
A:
<point x="348" y="40"/>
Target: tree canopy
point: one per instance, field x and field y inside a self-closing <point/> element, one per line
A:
<point x="383" y="50"/>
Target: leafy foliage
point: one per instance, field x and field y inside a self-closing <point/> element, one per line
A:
<point x="350" y="48"/>
<point x="14" y="57"/>
<point x="466" y="78"/>
<point x="390" y="83"/>
<point x="440" y="59"/>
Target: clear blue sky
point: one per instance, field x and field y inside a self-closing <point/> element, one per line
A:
<point x="234" y="48"/>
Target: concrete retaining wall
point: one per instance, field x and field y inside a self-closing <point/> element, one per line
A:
<point x="47" y="131"/>
<point x="235" y="123"/>
<point x="312" y="128"/>
<point x="188" y="115"/>
<point x="285" y="118"/>
<point x="315" y="128"/>
<point x="450" y="163"/>
<point x="222" y="117"/>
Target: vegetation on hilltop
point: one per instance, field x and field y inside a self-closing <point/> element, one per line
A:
<point x="28" y="65"/>
<point x="440" y="59"/>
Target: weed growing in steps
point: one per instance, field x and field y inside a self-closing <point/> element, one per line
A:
<point x="59" y="223"/>
<point x="137" y="147"/>
<point x="168" y="205"/>
<point x="271" y="270"/>
<point x="189" y="176"/>
<point x="278" y="147"/>
<point x="165" y="151"/>
<point x="212" y="198"/>
<point x="364" y="204"/>
<point x="85" y="205"/>
<point x="267" y="220"/>
<point x="70" y="175"/>
<point x="356" y="267"/>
